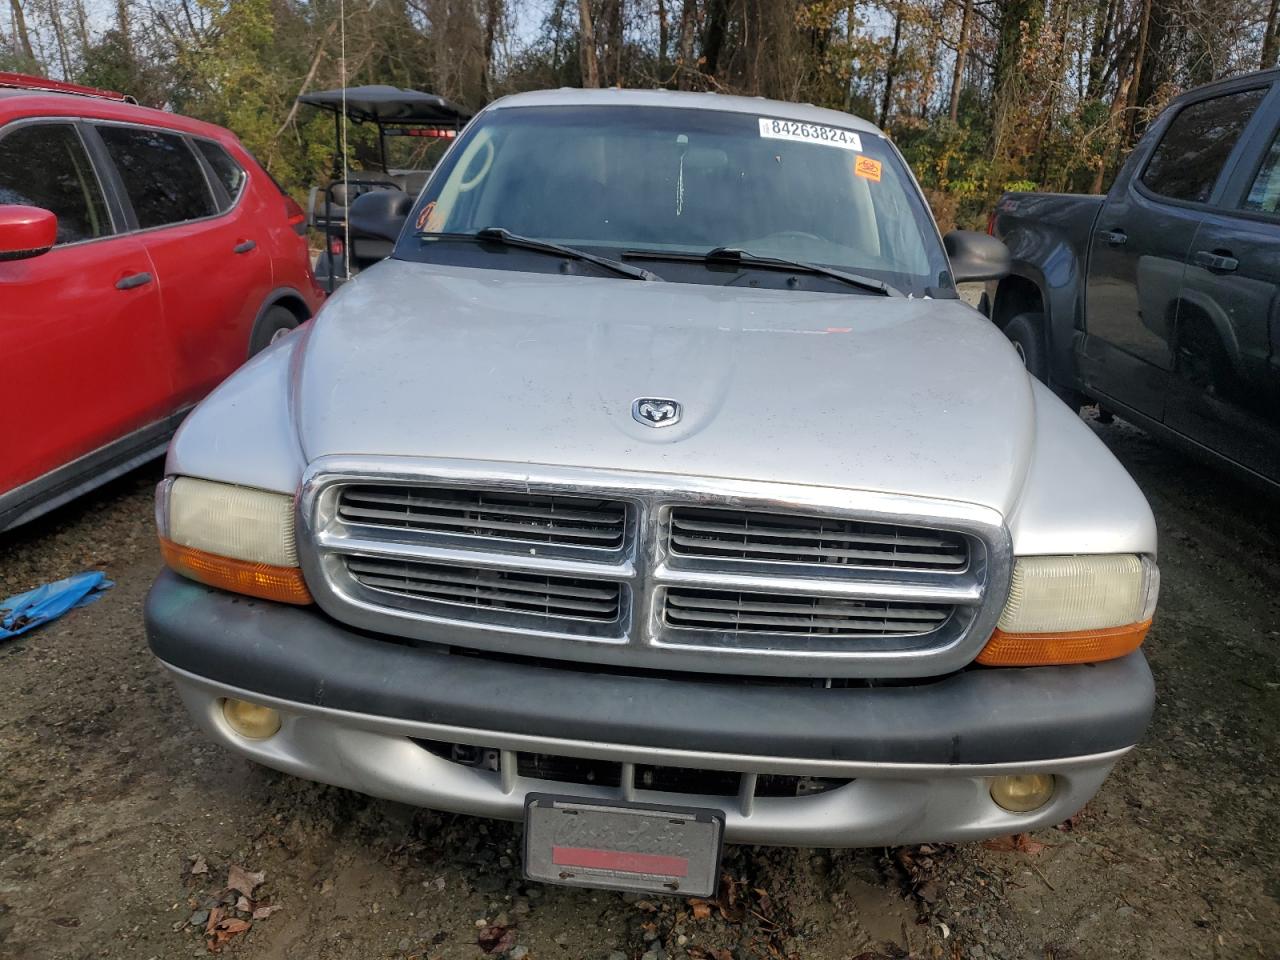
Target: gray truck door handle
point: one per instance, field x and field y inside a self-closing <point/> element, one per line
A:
<point x="133" y="280"/>
<point x="1218" y="262"/>
<point x="1116" y="238"/>
<point x="244" y="246"/>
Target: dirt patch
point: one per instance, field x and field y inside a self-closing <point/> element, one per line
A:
<point x="109" y="798"/>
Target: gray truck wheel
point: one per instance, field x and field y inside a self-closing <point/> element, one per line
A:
<point x="1026" y="331"/>
<point x="275" y="323"/>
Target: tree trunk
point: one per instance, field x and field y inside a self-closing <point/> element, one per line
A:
<point x="929" y="82"/>
<point x="20" y="28"/>
<point x="1104" y="26"/>
<point x="713" y="37"/>
<point x="60" y="38"/>
<point x="82" y="26"/>
<point x="685" y="56"/>
<point x="664" y="37"/>
<point x="1135" y="80"/>
<point x="492" y="15"/>
<point x="126" y="32"/>
<point x="587" y="46"/>
<point x="1269" y="38"/>
<point x="892" y="70"/>
<point x="613" y="43"/>
<point x="962" y="52"/>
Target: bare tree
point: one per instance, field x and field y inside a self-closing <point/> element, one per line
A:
<point x="587" y="46"/>
<point x="962" y="52"/>
<point x="20" y="32"/>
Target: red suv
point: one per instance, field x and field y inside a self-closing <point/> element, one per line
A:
<point x="143" y="257"/>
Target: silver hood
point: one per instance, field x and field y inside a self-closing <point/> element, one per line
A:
<point x="921" y="397"/>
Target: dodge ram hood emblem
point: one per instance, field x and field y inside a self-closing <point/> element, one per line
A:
<point x="656" y="412"/>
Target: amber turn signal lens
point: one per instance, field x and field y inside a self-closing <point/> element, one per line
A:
<point x="282" y="584"/>
<point x="1047" y="649"/>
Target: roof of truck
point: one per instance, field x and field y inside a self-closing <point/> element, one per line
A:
<point x="758" y="106"/>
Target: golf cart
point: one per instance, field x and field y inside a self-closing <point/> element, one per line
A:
<point x="414" y="129"/>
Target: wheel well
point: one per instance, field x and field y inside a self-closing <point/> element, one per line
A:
<point x="1015" y="295"/>
<point x="294" y="304"/>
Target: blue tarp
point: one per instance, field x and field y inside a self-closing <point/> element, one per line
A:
<point x="26" y="611"/>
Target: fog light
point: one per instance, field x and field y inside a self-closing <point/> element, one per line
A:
<point x="250" y="720"/>
<point x="1022" y="792"/>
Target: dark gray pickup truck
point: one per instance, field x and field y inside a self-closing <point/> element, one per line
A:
<point x="1161" y="300"/>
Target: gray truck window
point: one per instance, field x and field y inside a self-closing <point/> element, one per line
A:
<point x="1264" y="195"/>
<point x="1195" y="146"/>
<point x="229" y="173"/>
<point x="45" y="165"/>
<point x="161" y="175"/>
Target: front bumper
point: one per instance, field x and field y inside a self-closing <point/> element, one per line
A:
<point x="918" y="757"/>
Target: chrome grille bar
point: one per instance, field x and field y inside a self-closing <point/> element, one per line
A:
<point x="788" y="538"/>
<point x="528" y="518"/>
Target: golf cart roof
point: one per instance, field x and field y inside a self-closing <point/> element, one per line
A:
<point x="379" y="103"/>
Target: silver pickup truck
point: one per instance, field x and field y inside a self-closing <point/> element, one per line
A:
<point x="659" y="490"/>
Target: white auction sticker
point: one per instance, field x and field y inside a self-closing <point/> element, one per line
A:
<point x="810" y="133"/>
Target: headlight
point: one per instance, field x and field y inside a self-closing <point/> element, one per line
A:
<point x="1074" y="610"/>
<point x="234" y="538"/>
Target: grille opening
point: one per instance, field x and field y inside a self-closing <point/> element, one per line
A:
<point x="523" y="517"/>
<point x="608" y="773"/>
<point x="799" y="615"/>
<point x="498" y="590"/>
<point x="828" y="541"/>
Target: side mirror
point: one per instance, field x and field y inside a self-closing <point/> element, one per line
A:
<point x="379" y="214"/>
<point x="26" y="231"/>
<point x="976" y="256"/>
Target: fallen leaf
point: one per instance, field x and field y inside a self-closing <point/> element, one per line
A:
<point x="242" y="880"/>
<point x="199" y="866"/>
<point x="496" y="939"/>
<point x="226" y="930"/>
<point x="261" y="913"/>
<point x="721" y="953"/>
<point x="215" y="916"/>
<point x="1017" y="843"/>
<point x="243" y="905"/>
<point x="701" y="909"/>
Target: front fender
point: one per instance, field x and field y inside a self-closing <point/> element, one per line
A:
<point x="244" y="431"/>
<point x="1076" y="498"/>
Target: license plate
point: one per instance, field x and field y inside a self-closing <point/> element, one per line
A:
<point x="622" y="846"/>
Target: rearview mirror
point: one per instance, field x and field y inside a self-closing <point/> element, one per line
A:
<point x="26" y="231"/>
<point x="976" y="256"/>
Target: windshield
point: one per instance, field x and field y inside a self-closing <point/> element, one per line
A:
<point x="628" y="181"/>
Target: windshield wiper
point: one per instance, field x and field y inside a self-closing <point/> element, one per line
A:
<point x="743" y="257"/>
<point x="506" y="238"/>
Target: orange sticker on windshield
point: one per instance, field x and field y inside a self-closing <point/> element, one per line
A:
<point x="427" y="219"/>
<point x="866" y="167"/>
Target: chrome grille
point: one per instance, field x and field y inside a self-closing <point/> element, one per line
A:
<point x="653" y="571"/>
<point x="527" y="518"/>
<point x="499" y="590"/>
<point x="807" y="616"/>
<point x="828" y="541"/>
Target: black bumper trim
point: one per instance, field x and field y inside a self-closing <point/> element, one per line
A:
<point x="978" y="716"/>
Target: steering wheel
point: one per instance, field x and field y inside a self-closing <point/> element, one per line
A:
<point x="467" y="184"/>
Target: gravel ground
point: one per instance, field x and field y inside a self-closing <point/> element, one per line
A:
<point x="121" y="829"/>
